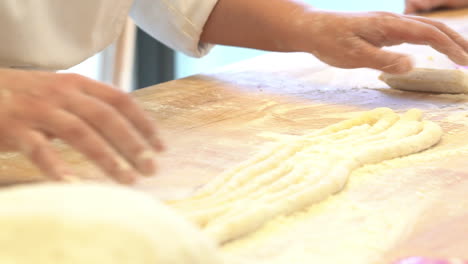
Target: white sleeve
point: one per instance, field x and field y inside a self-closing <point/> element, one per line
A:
<point x="52" y="35"/>
<point x="176" y="23"/>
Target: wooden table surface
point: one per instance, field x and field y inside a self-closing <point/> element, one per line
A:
<point x="213" y="121"/>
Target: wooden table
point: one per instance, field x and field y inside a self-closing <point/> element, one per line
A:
<point x="213" y="121"/>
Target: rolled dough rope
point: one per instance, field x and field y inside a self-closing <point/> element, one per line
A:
<point x="220" y="205"/>
<point x="379" y="118"/>
<point x="209" y="213"/>
<point x="275" y="154"/>
<point x="251" y="217"/>
<point x="52" y="223"/>
<point x="273" y="170"/>
<point x="284" y="188"/>
<point x="283" y="183"/>
<point x="369" y="117"/>
<point x="354" y="134"/>
<point x="267" y="171"/>
<point x="429" y="80"/>
<point x="275" y="178"/>
<point x="247" y="217"/>
<point x="308" y="166"/>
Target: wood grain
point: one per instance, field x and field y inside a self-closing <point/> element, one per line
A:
<point x="213" y="121"/>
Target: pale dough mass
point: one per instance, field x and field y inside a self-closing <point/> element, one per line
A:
<point x="48" y="224"/>
<point x="77" y="224"/>
<point x="429" y="80"/>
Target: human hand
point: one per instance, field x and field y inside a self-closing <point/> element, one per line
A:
<point x="354" y="40"/>
<point x="104" y="124"/>
<point x="415" y="6"/>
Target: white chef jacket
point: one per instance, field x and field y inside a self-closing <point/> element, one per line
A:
<point x="57" y="34"/>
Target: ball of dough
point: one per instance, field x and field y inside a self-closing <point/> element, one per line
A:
<point x="429" y="80"/>
<point x="83" y="224"/>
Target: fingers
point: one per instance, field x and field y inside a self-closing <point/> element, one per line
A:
<point x="113" y="127"/>
<point x="417" y="32"/>
<point x="98" y="121"/>
<point x="84" y="139"/>
<point x="411" y="6"/>
<point x="455" y="36"/>
<point x="38" y="150"/>
<point x="402" y="29"/>
<point x="354" y="41"/>
<point x="415" y="6"/>
<point x="379" y="59"/>
<point x="409" y="9"/>
<point x="128" y="108"/>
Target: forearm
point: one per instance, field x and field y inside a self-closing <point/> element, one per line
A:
<point x="346" y="40"/>
<point x="259" y="24"/>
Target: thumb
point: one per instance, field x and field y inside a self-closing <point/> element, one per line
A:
<point x="386" y="61"/>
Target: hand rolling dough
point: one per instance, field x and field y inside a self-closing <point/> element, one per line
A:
<point x="429" y="80"/>
<point x="75" y="224"/>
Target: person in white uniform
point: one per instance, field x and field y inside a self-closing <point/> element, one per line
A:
<point x="39" y="37"/>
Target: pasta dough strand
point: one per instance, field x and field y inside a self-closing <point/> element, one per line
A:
<point x="304" y="170"/>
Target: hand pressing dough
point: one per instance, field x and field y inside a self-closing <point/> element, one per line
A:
<point x="298" y="172"/>
<point x="429" y="80"/>
<point x="77" y="224"/>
